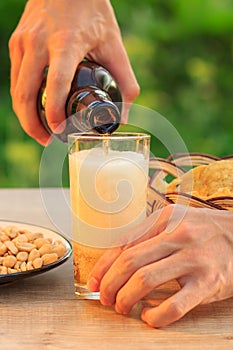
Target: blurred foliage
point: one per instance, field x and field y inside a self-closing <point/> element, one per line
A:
<point x="181" y="52"/>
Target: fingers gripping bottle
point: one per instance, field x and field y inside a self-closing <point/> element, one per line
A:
<point x="93" y="103"/>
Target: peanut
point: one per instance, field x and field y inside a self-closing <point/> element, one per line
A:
<point x="49" y="258"/>
<point x="11" y="231"/>
<point x="21" y="238"/>
<point x="37" y="235"/>
<point x="28" y="234"/>
<point x="59" y="249"/>
<point x="11" y="246"/>
<point x="22" y="250"/>
<point x="33" y="235"/>
<point x="3" y="270"/>
<point x="46" y="249"/>
<point x="25" y="247"/>
<point x="22" y="256"/>
<point x="37" y="263"/>
<point x="9" y="261"/>
<point x="39" y="242"/>
<point x="3" y="236"/>
<point x="23" y="266"/>
<point x="29" y="266"/>
<point x="3" y="248"/>
<point x="17" y="265"/>
<point x="34" y="254"/>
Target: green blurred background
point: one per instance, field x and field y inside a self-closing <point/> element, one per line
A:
<point x="181" y="52"/>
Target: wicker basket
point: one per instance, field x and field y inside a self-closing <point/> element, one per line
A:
<point x="162" y="171"/>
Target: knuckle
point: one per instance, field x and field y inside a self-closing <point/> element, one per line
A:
<point x="12" y="42"/>
<point x="62" y="37"/>
<point x="21" y="96"/>
<point x="15" y="41"/>
<point x="186" y="232"/>
<point x="32" y="38"/>
<point x="58" y="78"/>
<point x="132" y="92"/>
<point x="194" y="257"/>
<point x="175" y="310"/>
<point x="144" y="278"/>
<point x="136" y="90"/>
<point x="127" y="260"/>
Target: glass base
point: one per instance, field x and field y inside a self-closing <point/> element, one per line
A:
<point x="82" y="292"/>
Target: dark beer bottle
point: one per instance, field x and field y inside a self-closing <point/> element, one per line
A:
<point x="93" y="103"/>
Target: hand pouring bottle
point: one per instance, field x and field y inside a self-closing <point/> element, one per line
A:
<point x="93" y="103"/>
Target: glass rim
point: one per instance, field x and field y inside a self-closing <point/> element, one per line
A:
<point x="114" y="136"/>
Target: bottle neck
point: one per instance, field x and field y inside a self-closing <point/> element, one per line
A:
<point x="93" y="109"/>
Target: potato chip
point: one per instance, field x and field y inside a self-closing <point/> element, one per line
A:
<point x="206" y="181"/>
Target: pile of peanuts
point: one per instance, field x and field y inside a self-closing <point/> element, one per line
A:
<point x="22" y="250"/>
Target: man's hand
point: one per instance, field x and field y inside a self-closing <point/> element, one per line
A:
<point x="192" y="245"/>
<point x="59" y="34"/>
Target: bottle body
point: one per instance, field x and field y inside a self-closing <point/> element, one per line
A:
<point x="93" y="103"/>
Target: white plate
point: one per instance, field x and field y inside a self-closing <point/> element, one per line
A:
<point x="7" y="278"/>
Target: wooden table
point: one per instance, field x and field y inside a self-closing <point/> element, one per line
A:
<point x="42" y="312"/>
